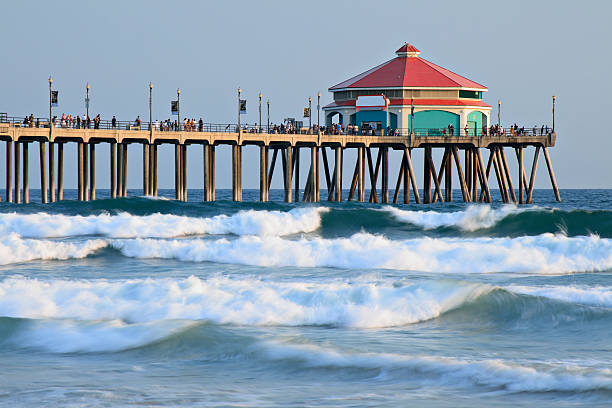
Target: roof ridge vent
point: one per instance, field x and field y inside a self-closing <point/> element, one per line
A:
<point x="408" y="51"/>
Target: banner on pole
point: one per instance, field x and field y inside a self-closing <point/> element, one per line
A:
<point x="174" y="107"/>
<point x="306" y="112"/>
<point x="54" y="95"/>
<point x="243" y="107"/>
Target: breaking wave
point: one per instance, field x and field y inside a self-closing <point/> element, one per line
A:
<point x="125" y="225"/>
<point x="473" y="218"/>
<point x="229" y="301"/>
<point x="585" y="295"/>
<point x="14" y="249"/>
<point x="546" y="253"/>
<point x="495" y="373"/>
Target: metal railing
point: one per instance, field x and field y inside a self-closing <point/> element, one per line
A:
<point x="196" y="126"/>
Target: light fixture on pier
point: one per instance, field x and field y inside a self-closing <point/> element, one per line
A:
<point x="87" y="99"/>
<point x="260" y="125"/>
<point x="318" y="111"/>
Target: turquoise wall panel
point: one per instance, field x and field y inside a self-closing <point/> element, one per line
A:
<point x="433" y="121"/>
<point x="474" y="123"/>
<point x="393" y="120"/>
<point x="372" y="116"/>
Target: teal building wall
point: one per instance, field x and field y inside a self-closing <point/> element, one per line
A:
<point x="476" y="120"/>
<point x="430" y="120"/>
<point x="381" y="116"/>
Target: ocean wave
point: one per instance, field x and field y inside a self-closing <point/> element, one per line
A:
<point x="495" y="373"/>
<point x="125" y="225"/>
<point x="362" y="304"/>
<point x="14" y="249"/>
<point x="473" y="218"/>
<point x="73" y="336"/>
<point x="585" y="295"/>
<point x="546" y="253"/>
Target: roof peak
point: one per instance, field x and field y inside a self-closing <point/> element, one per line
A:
<point x="408" y="50"/>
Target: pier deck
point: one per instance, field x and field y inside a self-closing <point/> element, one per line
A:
<point x="472" y="174"/>
<point x="61" y="135"/>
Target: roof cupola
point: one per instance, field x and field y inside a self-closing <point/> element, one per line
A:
<point x="408" y="50"/>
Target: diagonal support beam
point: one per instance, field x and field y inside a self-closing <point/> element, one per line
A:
<point x="507" y="171"/>
<point x="415" y="189"/>
<point x="534" y="168"/>
<point x="551" y="173"/>
<point x="464" y="190"/>
<point x="432" y="169"/>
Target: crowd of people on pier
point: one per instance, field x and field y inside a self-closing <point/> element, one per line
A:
<point x="68" y="121"/>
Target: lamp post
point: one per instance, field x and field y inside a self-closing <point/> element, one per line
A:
<point x="260" y="125"/>
<point x="178" y="108"/>
<point x="309" y="114"/>
<point x="268" y="115"/>
<point x="318" y="111"/>
<point x="50" y="106"/>
<point x="239" y="92"/>
<point x="87" y="100"/>
<point x="150" y="112"/>
<point x="499" y="115"/>
<point x="553" y="112"/>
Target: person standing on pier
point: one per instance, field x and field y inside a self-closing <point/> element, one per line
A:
<point x="114" y="122"/>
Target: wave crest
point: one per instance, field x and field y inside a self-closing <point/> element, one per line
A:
<point x="14" y="249"/>
<point x="473" y="218"/>
<point x="546" y="253"/>
<point x="125" y="225"/>
<point x="224" y="300"/>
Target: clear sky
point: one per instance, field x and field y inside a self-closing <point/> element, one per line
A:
<point x="523" y="51"/>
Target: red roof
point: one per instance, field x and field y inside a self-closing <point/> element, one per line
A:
<point x="408" y="70"/>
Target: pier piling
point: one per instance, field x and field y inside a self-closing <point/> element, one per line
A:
<point x="52" y="172"/>
<point x="85" y="147"/>
<point x="43" y="172"/>
<point x="113" y="170"/>
<point x="60" y="171"/>
<point x="92" y="171"/>
<point x="9" y="171"/>
<point x="18" y="172"/>
<point x="26" y="178"/>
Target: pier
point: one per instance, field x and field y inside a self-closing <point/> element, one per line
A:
<point x="462" y="154"/>
<point x="406" y="103"/>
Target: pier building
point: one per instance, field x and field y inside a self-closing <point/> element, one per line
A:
<point x="409" y="92"/>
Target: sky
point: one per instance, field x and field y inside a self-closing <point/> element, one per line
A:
<point x="523" y="51"/>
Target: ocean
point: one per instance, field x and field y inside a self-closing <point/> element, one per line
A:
<point x="152" y="302"/>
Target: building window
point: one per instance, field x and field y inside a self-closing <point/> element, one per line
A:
<point x="470" y="94"/>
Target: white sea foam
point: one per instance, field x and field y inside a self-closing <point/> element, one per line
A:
<point x="546" y="253"/>
<point x="14" y="249"/>
<point x="473" y="218"/>
<point x="586" y="295"/>
<point x="124" y="225"/>
<point x="496" y="373"/>
<point x="246" y="301"/>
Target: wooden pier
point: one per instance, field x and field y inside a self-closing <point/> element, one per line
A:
<point x="473" y="174"/>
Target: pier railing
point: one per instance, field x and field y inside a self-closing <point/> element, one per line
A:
<point x="43" y="122"/>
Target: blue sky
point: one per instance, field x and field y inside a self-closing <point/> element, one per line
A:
<point x="523" y="51"/>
